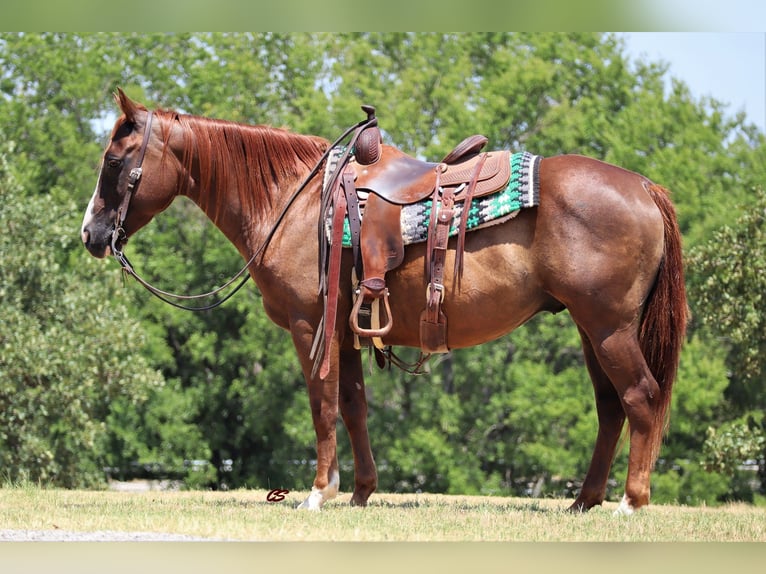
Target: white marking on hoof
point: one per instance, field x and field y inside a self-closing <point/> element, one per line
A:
<point x="318" y="496"/>
<point x="625" y="508"/>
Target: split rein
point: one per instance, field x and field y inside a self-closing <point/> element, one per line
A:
<point x="134" y="179"/>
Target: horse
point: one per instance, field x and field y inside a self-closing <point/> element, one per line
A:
<point x="603" y="244"/>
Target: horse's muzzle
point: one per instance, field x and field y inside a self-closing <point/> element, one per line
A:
<point x="97" y="248"/>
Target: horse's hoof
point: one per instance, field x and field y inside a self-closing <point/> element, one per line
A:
<point x="578" y="508"/>
<point x="311" y="503"/>
<point x="625" y="508"/>
<point x="319" y="496"/>
<point x="582" y="506"/>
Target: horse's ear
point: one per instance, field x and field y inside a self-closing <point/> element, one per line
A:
<point x="128" y="106"/>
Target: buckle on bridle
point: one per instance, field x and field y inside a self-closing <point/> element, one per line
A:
<point x="134" y="176"/>
<point x="118" y="235"/>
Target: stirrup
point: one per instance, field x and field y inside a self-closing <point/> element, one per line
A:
<point x="371" y="333"/>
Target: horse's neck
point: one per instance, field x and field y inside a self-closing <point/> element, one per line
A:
<point x="243" y="187"/>
<point x="249" y="228"/>
<point x="225" y="213"/>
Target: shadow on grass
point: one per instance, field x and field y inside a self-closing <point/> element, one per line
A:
<point x="532" y="506"/>
<point x="406" y="502"/>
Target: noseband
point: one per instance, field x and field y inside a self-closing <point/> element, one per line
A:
<point x="134" y="177"/>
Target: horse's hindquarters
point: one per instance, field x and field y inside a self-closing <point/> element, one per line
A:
<point x="599" y="239"/>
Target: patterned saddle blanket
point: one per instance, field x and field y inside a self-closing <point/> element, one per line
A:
<point x="522" y="191"/>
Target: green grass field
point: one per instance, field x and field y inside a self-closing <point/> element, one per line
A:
<point x="246" y="515"/>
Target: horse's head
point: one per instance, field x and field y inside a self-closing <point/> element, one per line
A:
<point x="131" y="186"/>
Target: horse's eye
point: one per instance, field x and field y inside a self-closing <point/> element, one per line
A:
<point x="113" y="163"/>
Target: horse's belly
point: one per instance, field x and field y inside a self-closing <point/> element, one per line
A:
<point x="498" y="292"/>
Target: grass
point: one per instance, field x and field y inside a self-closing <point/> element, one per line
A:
<point x="245" y="515"/>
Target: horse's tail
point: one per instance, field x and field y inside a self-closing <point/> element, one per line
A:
<point x="663" y="325"/>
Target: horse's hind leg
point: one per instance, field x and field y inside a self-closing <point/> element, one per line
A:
<point x="611" y="418"/>
<point x="353" y="409"/>
<point x="621" y="359"/>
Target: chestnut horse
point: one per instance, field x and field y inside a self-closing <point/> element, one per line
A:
<point x="603" y="243"/>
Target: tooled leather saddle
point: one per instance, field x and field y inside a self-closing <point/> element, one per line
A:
<point x="389" y="179"/>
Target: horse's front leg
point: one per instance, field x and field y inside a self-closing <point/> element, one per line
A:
<point x="323" y="398"/>
<point x="353" y="409"/>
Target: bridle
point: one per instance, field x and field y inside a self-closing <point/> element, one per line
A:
<point x="134" y="179"/>
<point x="118" y="234"/>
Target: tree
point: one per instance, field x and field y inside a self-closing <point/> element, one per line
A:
<point x="728" y="284"/>
<point x="69" y="348"/>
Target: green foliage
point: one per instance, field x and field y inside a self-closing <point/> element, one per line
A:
<point x="68" y="348"/>
<point x="94" y="375"/>
<point x="690" y="485"/>
<point x="734" y="443"/>
<point x="517" y="414"/>
<point x="159" y="437"/>
<point x="698" y="401"/>
<point x="728" y="285"/>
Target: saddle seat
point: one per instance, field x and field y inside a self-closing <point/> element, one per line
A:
<point x="401" y="179"/>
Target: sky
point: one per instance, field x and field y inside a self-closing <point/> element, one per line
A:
<point x="729" y="66"/>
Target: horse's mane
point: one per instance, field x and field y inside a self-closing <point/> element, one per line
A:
<point x="254" y="159"/>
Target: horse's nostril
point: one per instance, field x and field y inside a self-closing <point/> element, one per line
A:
<point x="85" y="236"/>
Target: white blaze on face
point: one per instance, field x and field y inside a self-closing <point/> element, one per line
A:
<point x="318" y="497"/>
<point x="89" y="210"/>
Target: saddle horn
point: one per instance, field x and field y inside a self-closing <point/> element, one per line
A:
<point x="367" y="149"/>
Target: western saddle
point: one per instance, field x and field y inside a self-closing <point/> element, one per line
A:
<point x="377" y="181"/>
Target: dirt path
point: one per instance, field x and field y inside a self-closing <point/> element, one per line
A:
<point x="97" y="536"/>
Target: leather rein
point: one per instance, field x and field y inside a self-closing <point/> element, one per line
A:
<point x="134" y="179"/>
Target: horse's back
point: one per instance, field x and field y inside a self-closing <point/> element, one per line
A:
<point x="608" y="201"/>
<point x="596" y="182"/>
